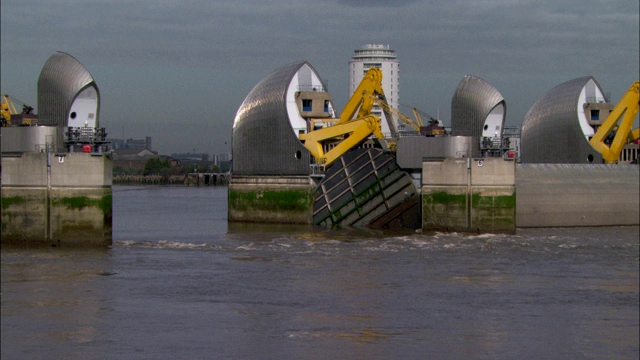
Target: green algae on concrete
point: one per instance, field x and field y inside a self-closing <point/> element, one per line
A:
<point x="446" y="199"/>
<point x="33" y="217"/>
<point x="271" y="200"/>
<point x="444" y="211"/>
<point x="81" y="202"/>
<point x="494" y="211"/>
<point x="462" y="212"/>
<point x="13" y="200"/>
<point x="281" y="202"/>
<point x="478" y="196"/>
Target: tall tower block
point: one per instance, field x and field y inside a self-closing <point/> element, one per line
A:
<point x="382" y="57"/>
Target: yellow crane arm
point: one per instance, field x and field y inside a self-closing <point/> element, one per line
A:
<point x="353" y="132"/>
<point x="627" y="108"/>
<point x="363" y="97"/>
<point x="6" y="99"/>
<point x="7" y="108"/>
<point x="418" y="117"/>
<point x="402" y="117"/>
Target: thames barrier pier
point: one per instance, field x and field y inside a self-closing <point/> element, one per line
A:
<point x="56" y="177"/>
<point x="296" y="160"/>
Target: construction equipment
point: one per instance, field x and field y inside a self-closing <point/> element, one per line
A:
<point x="399" y="115"/>
<point x="614" y="133"/>
<point x="7" y="108"/>
<point x="351" y="133"/>
<point x="363" y="97"/>
<point x="9" y="116"/>
<point x="417" y="116"/>
<point x="355" y="124"/>
<point x="433" y="127"/>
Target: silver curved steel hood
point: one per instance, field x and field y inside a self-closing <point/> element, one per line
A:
<point x="551" y="130"/>
<point x="62" y="80"/>
<point x="263" y="140"/>
<point x="473" y="102"/>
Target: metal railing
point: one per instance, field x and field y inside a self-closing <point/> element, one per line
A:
<point x="85" y="135"/>
<point x="595" y="99"/>
<point x="317" y="169"/>
<point x="320" y="88"/>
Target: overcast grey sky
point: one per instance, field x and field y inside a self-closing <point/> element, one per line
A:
<point x="178" y="70"/>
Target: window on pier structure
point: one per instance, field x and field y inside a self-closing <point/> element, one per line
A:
<point x="595" y="114"/>
<point x="307" y="104"/>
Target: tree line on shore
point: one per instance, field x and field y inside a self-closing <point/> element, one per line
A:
<point x="161" y="171"/>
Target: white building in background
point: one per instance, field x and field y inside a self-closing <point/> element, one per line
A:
<point x="384" y="58"/>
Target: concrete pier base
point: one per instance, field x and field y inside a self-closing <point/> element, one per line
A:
<point x="48" y="201"/>
<point x="565" y="195"/>
<point x="469" y="195"/>
<point x="59" y="217"/>
<point x="271" y="199"/>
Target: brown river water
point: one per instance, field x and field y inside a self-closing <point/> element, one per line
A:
<point x="182" y="283"/>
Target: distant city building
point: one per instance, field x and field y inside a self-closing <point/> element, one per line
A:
<point x="221" y="158"/>
<point x="190" y="158"/>
<point x="132" y="159"/>
<point x="120" y="144"/>
<point x="384" y="58"/>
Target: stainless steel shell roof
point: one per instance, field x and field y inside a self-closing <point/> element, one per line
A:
<point x="263" y="141"/>
<point x="551" y="131"/>
<point x="471" y="104"/>
<point x="62" y="78"/>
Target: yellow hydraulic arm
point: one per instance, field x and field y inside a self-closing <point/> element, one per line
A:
<point x="354" y="132"/>
<point x="626" y="109"/>
<point x="363" y="98"/>
<point x="347" y="130"/>
<point x="415" y="125"/>
<point x="418" y="117"/>
<point x="7" y="108"/>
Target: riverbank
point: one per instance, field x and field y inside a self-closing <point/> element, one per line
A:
<point x="195" y="179"/>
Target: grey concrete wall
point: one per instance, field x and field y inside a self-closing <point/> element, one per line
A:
<point x="449" y="172"/>
<point x="410" y="151"/>
<point x="72" y="170"/>
<point x="492" y="172"/>
<point x="29" y="169"/>
<point x="551" y="195"/>
<point x="81" y="170"/>
<point x="18" y="139"/>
